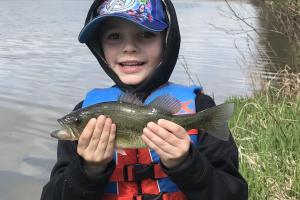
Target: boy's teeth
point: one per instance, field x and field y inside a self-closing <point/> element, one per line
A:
<point x="131" y="64"/>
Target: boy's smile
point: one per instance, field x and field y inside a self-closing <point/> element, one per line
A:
<point x="131" y="52"/>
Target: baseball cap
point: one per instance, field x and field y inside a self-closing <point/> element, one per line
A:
<point x="148" y="14"/>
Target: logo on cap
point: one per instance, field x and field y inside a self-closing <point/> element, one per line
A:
<point x="119" y="5"/>
<point x="138" y="10"/>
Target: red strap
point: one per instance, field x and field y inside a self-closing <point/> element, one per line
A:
<point x="118" y="174"/>
<point x="130" y="176"/>
<point x="174" y="196"/>
<point x="139" y="197"/>
<point x="158" y="172"/>
<point x="193" y="132"/>
<point x="165" y="196"/>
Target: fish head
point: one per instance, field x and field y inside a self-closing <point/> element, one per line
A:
<point x="74" y="123"/>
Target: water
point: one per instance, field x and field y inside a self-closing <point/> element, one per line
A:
<point x="45" y="72"/>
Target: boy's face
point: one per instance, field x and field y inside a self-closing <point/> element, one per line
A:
<point x="131" y="52"/>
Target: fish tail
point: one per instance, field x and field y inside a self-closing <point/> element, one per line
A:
<point x="215" y="120"/>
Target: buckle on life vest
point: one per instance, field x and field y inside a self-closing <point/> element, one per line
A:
<point x="138" y="172"/>
<point x="149" y="197"/>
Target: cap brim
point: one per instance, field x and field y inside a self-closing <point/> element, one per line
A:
<point x="88" y="31"/>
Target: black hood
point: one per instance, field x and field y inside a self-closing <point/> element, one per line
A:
<point x="163" y="72"/>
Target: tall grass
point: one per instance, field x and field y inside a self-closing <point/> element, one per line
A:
<point x="266" y="127"/>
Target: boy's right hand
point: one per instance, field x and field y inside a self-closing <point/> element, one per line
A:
<point x="96" y="144"/>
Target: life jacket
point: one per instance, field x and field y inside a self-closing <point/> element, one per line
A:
<point x="138" y="175"/>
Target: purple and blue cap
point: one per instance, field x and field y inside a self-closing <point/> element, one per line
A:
<point x="148" y="14"/>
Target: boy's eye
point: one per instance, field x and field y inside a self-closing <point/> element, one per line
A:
<point x="147" y="34"/>
<point x="114" y="36"/>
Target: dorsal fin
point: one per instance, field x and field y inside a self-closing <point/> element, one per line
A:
<point x="166" y="103"/>
<point x="128" y="97"/>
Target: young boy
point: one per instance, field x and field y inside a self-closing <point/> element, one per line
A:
<point x="137" y="43"/>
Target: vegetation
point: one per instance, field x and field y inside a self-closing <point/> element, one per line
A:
<point x="287" y="14"/>
<point x="267" y="125"/>
<point x="266" y="128"/>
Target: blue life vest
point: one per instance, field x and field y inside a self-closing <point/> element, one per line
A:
<point x="122" y="189"/>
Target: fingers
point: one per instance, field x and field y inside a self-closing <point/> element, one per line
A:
<point x="169" y="140"/>
<point x="168" y="131"/>
<point x="103" y="140"/>
<point x="172" y="127"/>
<point x="96" y="143"/>
<point x="159" y="135"/>
<point x="111" y="142"/>
<point x="97" y="133"/>
<point x="86" y="135"/>
<point x="156" y="143"/>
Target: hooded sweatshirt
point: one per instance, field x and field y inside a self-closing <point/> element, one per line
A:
<point x="162" y="73"/>
<point x="209" y="172"/>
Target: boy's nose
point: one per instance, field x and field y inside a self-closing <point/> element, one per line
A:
<point x="130" y="46"/>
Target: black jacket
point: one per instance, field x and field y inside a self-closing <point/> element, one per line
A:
<point x="210" y="172"/>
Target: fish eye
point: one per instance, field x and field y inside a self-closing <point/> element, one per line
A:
<point x="77" y="120"/>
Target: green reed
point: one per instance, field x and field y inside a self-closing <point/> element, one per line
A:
<point x="266" y="128"/>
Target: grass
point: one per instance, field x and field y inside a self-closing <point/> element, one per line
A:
<point x="266" y="128"/>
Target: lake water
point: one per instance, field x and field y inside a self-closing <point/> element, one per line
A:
<point x="45" y="72"/>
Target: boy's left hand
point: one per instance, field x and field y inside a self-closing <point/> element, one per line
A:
<point x="169" y="140"/>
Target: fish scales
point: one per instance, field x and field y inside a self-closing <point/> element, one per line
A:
<point x="129" y="117"/>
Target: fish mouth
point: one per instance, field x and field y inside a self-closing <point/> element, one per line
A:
<point x="54" y="134"/>
<point x="66" y="127"/>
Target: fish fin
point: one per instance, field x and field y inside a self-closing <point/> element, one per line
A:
<point x="121" y="151"/>
<point x="166" y="103"/>
<point x="216" y="120"/>
<point x="128" y="97"/>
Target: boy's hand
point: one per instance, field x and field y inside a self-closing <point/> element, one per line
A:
<point x="96" y="144"/>
<point x="169" y="140"/>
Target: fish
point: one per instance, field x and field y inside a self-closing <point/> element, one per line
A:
<point x="131" y="116"/>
